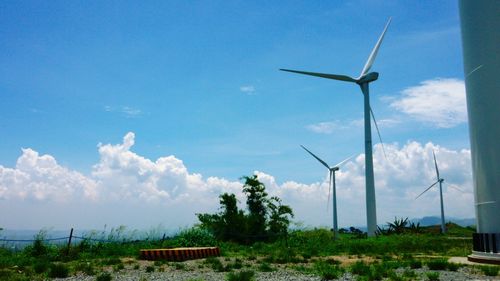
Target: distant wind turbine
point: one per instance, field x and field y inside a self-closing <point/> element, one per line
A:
<point x="331" y="186"/>
<point x="440" y="181"/>
<point x="363" y="81"/>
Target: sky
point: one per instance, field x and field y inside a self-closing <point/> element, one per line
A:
<point x="142" y="114"/>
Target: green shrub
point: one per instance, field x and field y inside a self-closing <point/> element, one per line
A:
<point x="437" y="264"/>
<point x="137" y="266"/>
<point x="414" y="264"/>
<point x="150" y="268"/>
<point x="105" y="276"/>
<point x="453" y="266"/>
<point x="85" y="267"/>
<point x="112" y="261"/>
<point x="41" y="266"/>
<point x="179" y="266"/>
<point x="118" y="267"/>
<point x="327" y="271"/>
<point x="265" y="267"/>
<point x="410" y="274"/>
<point x="195" y="237"/>
<point x="490" y="270"/>
<point x="360" y="268"/>
<point x="58" y="270"/>
<point x="432" y="276"/>
<point x="245" y="275"/>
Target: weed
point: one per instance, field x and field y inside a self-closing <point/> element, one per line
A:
<point x="432" y="276"/>
<point x="150" y="268"/>
<point x="408" y="273"/>
<point x="437" y="264"/>
<point x="105" y="276"/>
<point x="111" y="261"/>
<point x="58" y="270"/>
<point x="245" y="275"/>
<point x="118" y="267"/>
<point x="453" y="266"/>
<point x="136" y="266"/>
<point x="265" y="267"/>
<point x="40" y="266"/>
<point x="85" y="267"/>
<point x="490" y="270"/>
<point x="360" y="268"/>
<point x="414" y="264"/>
<point x="327" y="271"/>
<point x="179" y="266"/>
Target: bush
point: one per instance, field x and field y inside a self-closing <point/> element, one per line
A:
<point x="58" y="270"/>
<point x="265" y="267"/>
<point x="40" y="266"/>
<point x="414" y="264"/>
<point x="490" y="270"/>
<point x="150" y="268"/>
<point x="360" y="268"/>
<point x="453" y="266"/>
<point x="246" y="275"/>
<point x="327" y="271"/>
<point x="105" y="276"/>
<point x="437" y="264"/>
<point x="432" y="276"/>
<point x="195" y="237"/>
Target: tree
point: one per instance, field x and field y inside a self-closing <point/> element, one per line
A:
<point x="266" y="218"/>
<point x="279" y="217"/>
<point x="256" y="203"/>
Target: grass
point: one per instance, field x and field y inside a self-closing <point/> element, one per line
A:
<point x="308" y="251"/>
<point x="490" y="270"/>
<point x="105" y="276"/>
<point x="245" y="275"/>
<point x="432" y="276"/>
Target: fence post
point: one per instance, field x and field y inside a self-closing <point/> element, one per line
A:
<point x="69" y="240"/>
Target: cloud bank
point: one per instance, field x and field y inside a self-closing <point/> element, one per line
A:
<point x="126" y="188"/>
<point x="438" y="102"/>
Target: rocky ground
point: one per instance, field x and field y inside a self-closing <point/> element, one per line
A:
<point x="199" y="271"/>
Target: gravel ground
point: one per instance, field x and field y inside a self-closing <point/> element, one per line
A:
<point x="195" y="270"/>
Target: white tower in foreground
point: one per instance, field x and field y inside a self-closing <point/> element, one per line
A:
<point x="480" y="21"/>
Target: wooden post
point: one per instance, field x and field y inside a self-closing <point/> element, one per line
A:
<point x="69" y="241"/>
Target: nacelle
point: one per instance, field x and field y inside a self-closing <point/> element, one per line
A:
<point x="372" y="76"/>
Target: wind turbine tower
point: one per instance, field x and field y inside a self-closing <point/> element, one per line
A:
<point x="332" y="186"/>
<point x="363" y="81"/>
<point x="480" y="43"/>
<point x="440" y="180"/>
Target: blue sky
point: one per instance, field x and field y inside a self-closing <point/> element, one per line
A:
<point x="199" y="80"/>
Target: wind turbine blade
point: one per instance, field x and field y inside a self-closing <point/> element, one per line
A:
<point x="427" y="189"/>
<point x="436" y="164"/>
<point x="378" y="133"/>
<point x="374" y="52"/>
<point x="317" y="158"/>
<point x="329" y="190"/>
<point x="343" y="161"/>
<point x="324" y="75"/>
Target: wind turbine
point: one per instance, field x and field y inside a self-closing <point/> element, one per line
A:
<point x="440" y="181"/>
<point x="331" y="186"/>
<point x="363" y="81"/>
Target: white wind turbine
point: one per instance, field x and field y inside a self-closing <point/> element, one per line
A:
<point x="363" y="81"/>
<point x="440" y="181"/>
<point x="332" y="187"/>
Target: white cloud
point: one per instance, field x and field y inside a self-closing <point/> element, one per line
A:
<point x="126" y="188"/>
<point x="248" y="89"/>
<point x="40" y="178"/>
<point x="328" y="127"/>
<point x="126" y="111"/>
<point x="439" y="102"/>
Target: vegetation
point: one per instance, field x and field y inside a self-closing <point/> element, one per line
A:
<point x="267" y="218"/>
<point x="264" y="244"/>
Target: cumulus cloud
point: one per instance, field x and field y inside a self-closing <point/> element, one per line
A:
<point x="125" y="187"/>
<point x="439" y="102"/>
<point x="39" y="178"/>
